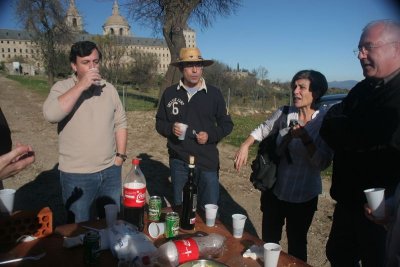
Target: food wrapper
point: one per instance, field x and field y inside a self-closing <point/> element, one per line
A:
<point x="254" y="252"/>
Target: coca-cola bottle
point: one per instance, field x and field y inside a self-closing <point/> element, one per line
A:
<point x="189" y="201"/>
<point x="134" y="196"/>
<point x="176" y="252"/>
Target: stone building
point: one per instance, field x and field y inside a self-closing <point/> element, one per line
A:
<point x="16" y="45"/>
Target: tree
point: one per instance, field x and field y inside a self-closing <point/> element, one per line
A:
<point x="143" y="71"/>
<point x="45" y="20"/>
<point x="172" y="17"/>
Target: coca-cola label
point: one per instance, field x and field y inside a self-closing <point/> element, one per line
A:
<point x="134" y="195"/>
<point x="187" y="250"/>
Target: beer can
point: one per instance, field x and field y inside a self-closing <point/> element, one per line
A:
<point x="91" y="247"/>
<point x="154" y="208"/>
<point x="171" y="224"/>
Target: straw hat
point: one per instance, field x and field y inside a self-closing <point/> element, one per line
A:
<point x="191" y="54"/>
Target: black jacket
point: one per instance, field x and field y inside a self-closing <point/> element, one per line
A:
<point x="364" y="132"/>
<point x="206" y="111"/>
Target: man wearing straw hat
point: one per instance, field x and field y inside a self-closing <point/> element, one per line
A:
<point x="202" y="109"/>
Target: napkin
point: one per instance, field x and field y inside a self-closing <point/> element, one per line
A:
<point x="254" y="252"/>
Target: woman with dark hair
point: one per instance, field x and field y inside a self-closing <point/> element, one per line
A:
<point x="303" y="154"/>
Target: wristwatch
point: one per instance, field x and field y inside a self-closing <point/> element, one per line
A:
<point x="122" y="156"/>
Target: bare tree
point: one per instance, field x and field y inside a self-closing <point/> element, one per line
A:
<point x="172" y="17"/>
<point x="45" y="20"/>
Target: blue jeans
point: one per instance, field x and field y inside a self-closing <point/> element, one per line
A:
<point x="207" y="183"/>
<point x="85" y="194"/>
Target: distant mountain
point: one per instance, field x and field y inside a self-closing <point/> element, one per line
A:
<point x="342" y="84"/>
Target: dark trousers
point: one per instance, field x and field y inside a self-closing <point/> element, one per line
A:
<point x="353" y="238"/>
<point x="298" y="220"/>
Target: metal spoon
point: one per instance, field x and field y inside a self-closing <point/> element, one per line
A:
<point x="37" y="257"/>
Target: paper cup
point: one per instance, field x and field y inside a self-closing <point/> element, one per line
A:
<point x="111" y="214"/>
<point x="271" y="254"/>
<point x="211" y="214"/>
<point x="238" y="221"/>
<point x="156" y="229"/>
<point x="376" y="201"/>
<point x="7" y="200"/>
<point x="183" y="128"/>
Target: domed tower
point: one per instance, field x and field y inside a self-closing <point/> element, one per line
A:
<point x="116" y="24"/>
<point x="73" y="19"/>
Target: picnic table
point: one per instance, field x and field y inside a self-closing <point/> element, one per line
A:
<point x="57" y="255"/>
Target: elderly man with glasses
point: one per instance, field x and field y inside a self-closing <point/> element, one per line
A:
<point x="364" y="131"/>
<point x="202" y="109"/>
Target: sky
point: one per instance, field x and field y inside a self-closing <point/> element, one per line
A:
<point x="283" y="36"/>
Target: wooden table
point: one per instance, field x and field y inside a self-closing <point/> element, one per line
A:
<point x="58" y="256"/>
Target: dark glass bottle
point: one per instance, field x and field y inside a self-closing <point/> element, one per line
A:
<point x="189" y="202"/>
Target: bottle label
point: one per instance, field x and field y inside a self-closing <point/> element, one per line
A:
<point x="134" y="195"/>
<point x="187" y="250"/>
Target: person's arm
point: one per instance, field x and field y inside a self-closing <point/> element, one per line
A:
<point x="16" y="160"/>
<point x="243" y="153"/>
<point x="121" y="137"/>
<point x="68" y="100"/>
<point x="224" y="123"/>
<point x="163" y="126"/>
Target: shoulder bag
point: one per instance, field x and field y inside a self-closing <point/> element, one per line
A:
<point x="264" y="167"/>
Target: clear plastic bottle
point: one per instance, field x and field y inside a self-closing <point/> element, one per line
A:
<point x="176" y="252"/>
<point x="134" y="196"/>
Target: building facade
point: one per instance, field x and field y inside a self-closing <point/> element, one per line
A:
<point x="17" y="45"/>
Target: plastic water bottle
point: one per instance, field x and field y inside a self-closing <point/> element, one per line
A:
<point x="134" y="196"/>
<point x="176" y="252"/>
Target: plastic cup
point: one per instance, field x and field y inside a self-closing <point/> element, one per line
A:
<point x="271" y="254"/>
<point x="156" y="229"/>
<point x="183" y="128"/>
<point x="7" y="200"/>
<point x="211" y="214"/>
<point x="111" y="214"/>
<point x="376" y="201"/>
<point x="238" y="221"/>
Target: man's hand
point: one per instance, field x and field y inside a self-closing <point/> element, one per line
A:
<point x="16" y="160"/>
<point x="176" y="129"/>
<point x="202" y="138"/>
<point x="89" y="78"/>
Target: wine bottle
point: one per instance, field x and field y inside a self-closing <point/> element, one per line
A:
<point x="189" y="202"/>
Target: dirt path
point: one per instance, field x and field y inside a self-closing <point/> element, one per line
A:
<point x="38" y="186"/>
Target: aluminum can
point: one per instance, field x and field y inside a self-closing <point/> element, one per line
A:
<point x="154" y="208"/>
<point x="91" y="246"/>
<point x="171" y="224"/>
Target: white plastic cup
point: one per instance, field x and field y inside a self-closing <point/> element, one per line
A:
<point x="271" y="254"/>
<point x="111" y="214"/>
<point x="183" y="128"/>
<point x="376" y="201"/>
<point x="156" y="229"/>
<point x="238" y="221"/>
<point x="7" y="200"/>
<point x="211" y="214"/>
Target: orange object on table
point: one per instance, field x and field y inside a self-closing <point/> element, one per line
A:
<point x="34" y="223"/>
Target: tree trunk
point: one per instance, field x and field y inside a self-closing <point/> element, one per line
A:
<point x="175" y="22"/>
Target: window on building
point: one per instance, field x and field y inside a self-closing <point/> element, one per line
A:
<point x="9" y="50"/>
<point x="20" y="50"/>
<point x="112" y="31"/>
<point x="74" y="23"/>
<point x="121" y="31"/>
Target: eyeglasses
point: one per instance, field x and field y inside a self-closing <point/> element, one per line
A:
<point x="193" y="65"/>
<point x="365" y="49"/>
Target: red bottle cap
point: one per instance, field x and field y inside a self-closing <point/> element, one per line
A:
<point x="135" y="161"/>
